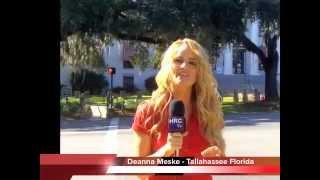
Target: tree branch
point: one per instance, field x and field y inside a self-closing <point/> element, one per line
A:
<point x="254" y="48"/>
<point x="139" y="38"/>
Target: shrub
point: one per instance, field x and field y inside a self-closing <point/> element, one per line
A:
<point x="71" y="107"/>
<point x="86" y="80"/>
<point x="150" y="83"/>
<point x="133" y="89"/>
<point x="118" y="89"/>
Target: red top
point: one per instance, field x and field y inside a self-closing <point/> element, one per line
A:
<point x="192" y="145"/>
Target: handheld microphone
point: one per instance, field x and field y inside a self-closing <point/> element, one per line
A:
<point x="177" y="122"/>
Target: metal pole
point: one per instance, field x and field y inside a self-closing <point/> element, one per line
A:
<point x="111" y="99"/>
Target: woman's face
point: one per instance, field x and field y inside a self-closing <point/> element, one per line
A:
<point x="184" y="65"/>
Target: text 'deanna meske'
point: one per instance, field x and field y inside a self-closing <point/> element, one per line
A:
<point x="190" y="161"/>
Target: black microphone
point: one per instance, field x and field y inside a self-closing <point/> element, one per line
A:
<point x="177" y="122"/>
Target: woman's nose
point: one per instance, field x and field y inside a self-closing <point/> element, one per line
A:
<point x="184" y="64"/>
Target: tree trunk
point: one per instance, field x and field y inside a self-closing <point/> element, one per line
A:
<point x="83" y="76"/>
<point x="271" y="88"/>
<point x="270" y="64"/>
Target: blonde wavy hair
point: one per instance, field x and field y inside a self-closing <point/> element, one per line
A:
<point x="205" y="95"/>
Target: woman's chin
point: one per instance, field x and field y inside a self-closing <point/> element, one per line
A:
<point x="183" y="84"/>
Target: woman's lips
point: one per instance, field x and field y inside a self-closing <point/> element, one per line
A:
<point x="184" y="75"/>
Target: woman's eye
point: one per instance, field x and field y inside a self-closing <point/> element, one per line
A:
<point x="178" y="61"/>
<point x="192" y="63"/>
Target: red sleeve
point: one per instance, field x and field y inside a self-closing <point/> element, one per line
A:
<point x="139" y="121"/>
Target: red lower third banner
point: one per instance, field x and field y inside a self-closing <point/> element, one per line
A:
<point x="64" y="166"/>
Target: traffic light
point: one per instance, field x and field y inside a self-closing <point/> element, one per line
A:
<point x="111" y="70"/>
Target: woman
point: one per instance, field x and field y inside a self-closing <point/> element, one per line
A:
<point x="185" y="75"/>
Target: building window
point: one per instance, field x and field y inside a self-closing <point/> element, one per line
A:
<point x="127" y="53"/>
<point x="127" y="64"/>
<point x="128" y="82"/>
<point x="238" y="61"/>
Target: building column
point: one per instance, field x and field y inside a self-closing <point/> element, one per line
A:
<point x="278" y="71"/>
<point x="247" y="61"/>
<point x="227" y="60"/>
<point x="219" y="65"/>
<point x="253" y="64"/>
<point x="278" y="49"/>
<point x="253" y="60"/>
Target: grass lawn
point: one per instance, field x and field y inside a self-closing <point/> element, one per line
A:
<point x="234" y="108"/>
<point x="228" y="106"/>
<point x="70" y="100"/>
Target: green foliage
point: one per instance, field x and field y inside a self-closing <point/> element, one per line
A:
<point x="141" y="57"/>
<point x="263" y="106"/>
<point x="212" y="23"/>
<point x="150" y="83"/>
<point x="72" y="105"/>
<point x="91" y="16"/>
<point x="85" y="80"/>
<point x="97" y="100"/>
<point x="82" y="51"/>
<point x="156" y="20"/>
<point x="267" y="11"/>
<point x="157" y="55"/>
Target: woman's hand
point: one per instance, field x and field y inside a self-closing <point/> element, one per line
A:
<point x="212" y="151"/>
<point x="174" y="142"/>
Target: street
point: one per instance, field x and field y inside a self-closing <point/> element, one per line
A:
<point x="251" y="134"/>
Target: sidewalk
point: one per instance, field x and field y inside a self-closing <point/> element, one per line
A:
<point x="87" y="125"/>
<point x="251" y="134"/>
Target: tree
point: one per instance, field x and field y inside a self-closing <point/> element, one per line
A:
<point x="268" y="14"/>
<point x="141" y="57"/>
<point x="92" y="82"/>
<point x="211" y="22"/>
<point x="150" y="83"/>
<point x="154" y="21"/>
<point x="82" y="52"/>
